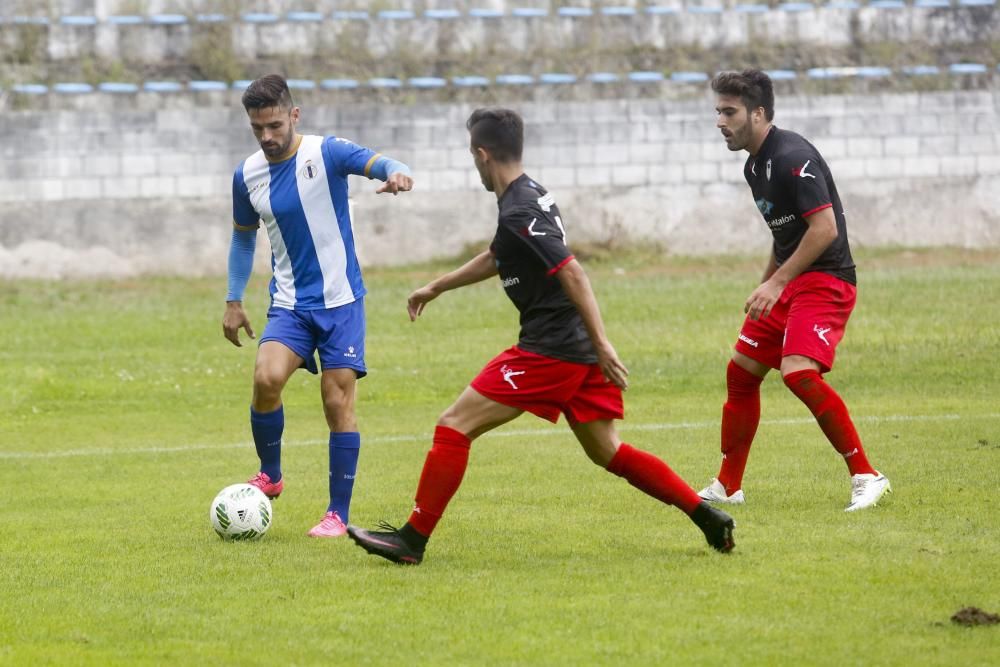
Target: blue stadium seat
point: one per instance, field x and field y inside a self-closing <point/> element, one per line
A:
<point x="72" y="88"/>
<point x="259" y="17"/>
<point x="645" y="77"/>
<point x="304" y="17"/>
<point x="396" y="14"/>
<point x="873" y="72"/>
<point x="828" y="72"/>
<point x="529" y="12"/>
<point x="843" y="4"/>
<point x="967" y="68"/>
<point x="515" y="79"/>
<point x="575" y="12"/>
<point x="126" y="19"/>
<point x="168" y="19"/>
<point x="556" y="78"/>
<point x="887" y="4"/>
<point x="470" y="81"/>
<point x="211" y="18"/>
<point x="30" y="20"/>
<point x="704" y="9"/>
<point x="118" y="87"/>
<point x="661" y="9"/>
<point x="485" y="13"/>
<point x="427" y="82"/>
<point x="301" y="84"/>
<point x="442" y="14"/>
<point x="618" y="11"/>
<point x="351" y="15"/>
<point x="922" y="70"/>
<point x="751" y="9"/>
<point x="162" y="87"/>
<point x="796" y="7"/>
<point x="977" y="3"/>
<point x="29" y="88"/>
<point x="932" y="3"/>
<point x="688" y="77"/>
<point x="207" y="86"/>
<point x="782" y="74"/>
<point x="241" y="84"/>
<point x="603" y="77"/>
<point x="338" y="84"/>
<point x="384" y="82"/>
<point x="78" y="20"/>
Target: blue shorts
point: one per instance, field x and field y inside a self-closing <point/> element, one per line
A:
<point x="337" y="333"/>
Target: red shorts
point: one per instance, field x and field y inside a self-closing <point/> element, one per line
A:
<point x="546" y="387"/>
<point x="809" y="319"/>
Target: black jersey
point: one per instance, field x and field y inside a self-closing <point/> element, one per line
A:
<point x="529" y="248"/>
<point x="790" y="181"/>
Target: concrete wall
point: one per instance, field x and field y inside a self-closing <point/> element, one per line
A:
<point x="425" y="38"/>
<point x="105" y="190"/>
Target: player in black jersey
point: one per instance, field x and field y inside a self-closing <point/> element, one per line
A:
<point x="562" y="363"/>
<point x="798" y="313"/>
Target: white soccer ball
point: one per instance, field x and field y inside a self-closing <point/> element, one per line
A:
<point x="240" y="512"/>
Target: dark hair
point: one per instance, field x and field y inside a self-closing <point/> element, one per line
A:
<point x="752" y="86"/>
<point x="266" y="92"/>
<point x="500" y="131"/>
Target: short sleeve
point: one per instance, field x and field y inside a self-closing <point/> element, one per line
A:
<point x="244" y="214"/>
<point x="347" y="157"/>
<point x="807" y="179"/>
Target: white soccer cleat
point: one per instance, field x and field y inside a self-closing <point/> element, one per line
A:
<point x="716" y="493"/>
<point x="867" y="490"/>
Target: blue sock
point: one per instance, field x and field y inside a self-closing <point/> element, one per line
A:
<point x="267" y="428"/>
<point x="344" y="450"/>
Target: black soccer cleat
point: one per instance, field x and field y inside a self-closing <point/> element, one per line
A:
<point x="717" y="526"/>
<point x="388" y="543"/>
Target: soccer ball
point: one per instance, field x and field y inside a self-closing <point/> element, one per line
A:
<point x="240" y="512"/>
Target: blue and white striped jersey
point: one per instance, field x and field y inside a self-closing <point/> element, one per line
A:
<point x="302" y="202"/>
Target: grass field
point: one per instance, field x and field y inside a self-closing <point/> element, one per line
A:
<point x="124" y="411"/>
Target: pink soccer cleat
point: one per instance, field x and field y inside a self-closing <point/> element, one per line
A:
<point x="330" y="526"/>
<point x="263" y="482"/>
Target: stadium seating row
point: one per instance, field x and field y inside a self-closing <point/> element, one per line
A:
<point x="502" y="80"/>
<point x="445" y="14"/>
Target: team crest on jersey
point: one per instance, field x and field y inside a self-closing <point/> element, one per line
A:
<point x="764" y="206"/>
<point x="310" y="170"/>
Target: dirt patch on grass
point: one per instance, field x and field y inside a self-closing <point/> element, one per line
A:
<point x="970" y="616"/>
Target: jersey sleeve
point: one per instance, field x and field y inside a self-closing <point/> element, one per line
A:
<point x="348" y="157"/>
<point x="807" y="182"/>
<point x="542" y="233"/>
<point x="244" y="214"/>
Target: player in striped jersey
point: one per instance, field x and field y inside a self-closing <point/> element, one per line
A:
<point x="297" y="186"/>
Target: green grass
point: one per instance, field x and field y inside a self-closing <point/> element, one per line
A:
<point x="124" y="411"/>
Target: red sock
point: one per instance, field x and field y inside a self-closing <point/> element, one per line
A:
<point x="833" y="418"/>
<point x="440" y="479"/>
<point x="652" y="476"/>
<point x="740" y="417"/>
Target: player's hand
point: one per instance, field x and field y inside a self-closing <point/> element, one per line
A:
<point x="420" y="298"/>
<point x="234" y="320"/>
<point x="397" y="182"/>
<point x="762" y="300"/>
<point x="612" y="367"/>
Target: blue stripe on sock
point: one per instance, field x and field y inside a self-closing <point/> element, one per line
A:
<point x="344" y="450"/>
<point x="267" y="428"/>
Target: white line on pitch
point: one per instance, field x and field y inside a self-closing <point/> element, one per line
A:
<point x="502" y="433"/>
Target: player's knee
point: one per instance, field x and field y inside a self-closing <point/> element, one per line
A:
<point x="267" y="385"/>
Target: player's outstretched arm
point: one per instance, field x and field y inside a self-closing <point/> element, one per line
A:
<point x="575" y="283"/>
<point x="241" y="249"/>
<point x="477" y="269"/>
